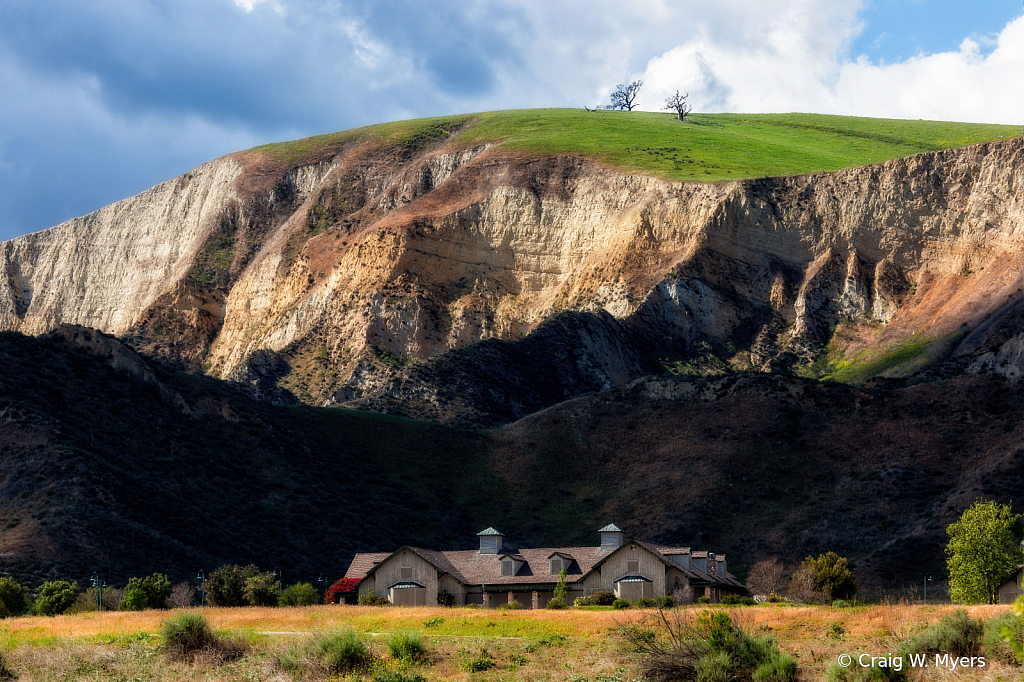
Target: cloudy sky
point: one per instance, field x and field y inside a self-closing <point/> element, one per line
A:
<point x="104" y="98"/>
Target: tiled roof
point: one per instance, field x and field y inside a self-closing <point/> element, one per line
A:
<point x="470" y="567"/>
<point x="364" y="563"/>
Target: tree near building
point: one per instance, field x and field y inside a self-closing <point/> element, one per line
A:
<point x="146" y="593"/>
<point x="766" y="577"/>
<point x="677" y="103"/>
<point x="833" y="576"/>
<point x="981" y="552"/>
<point x="624" y="96"/>
<point x="55" y="597"/>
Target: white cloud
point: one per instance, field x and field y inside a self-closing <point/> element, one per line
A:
<point x="799" y="62"/>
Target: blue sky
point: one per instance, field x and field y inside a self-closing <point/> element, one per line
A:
<point x="105" y="98"/>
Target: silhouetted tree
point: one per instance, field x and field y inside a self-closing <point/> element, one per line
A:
<point x="624" y="96"/>
<point x="677" y="103"/>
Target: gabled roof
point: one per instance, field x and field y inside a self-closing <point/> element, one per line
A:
<point x="611" y="528"/>
<point x="362" y="564"/>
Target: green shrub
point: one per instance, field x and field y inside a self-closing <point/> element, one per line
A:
<point x="299" y="594"/>
<point x="433" y="622"/>
<point x="369" y="598"/>
<point x="262" y="589"/>
<point x="621" y="604"/>
<point x="995" y="645"/>
<point x="446" y="598"/>
<point x="55" y="597"/>
<point x="602" y="598"/>
<point x="645" y="603"/>
<point x="666" y="602"/>
<point x="188" y="637"/>
<point x="510" y="606"/>
<point x="704" y="599"/>
<point x="957" y="634"/>
<point x="705" y="646"/>
<point x="226" y="585"/>
<point x="14" y="599"/>
<point x="738" y="599"/>
<point x="406" y="646"/>
<point x="341" y="651"/>
<point x="146" y="593"/>
<point x="835" y="630"/>
<point x="479" y="663"/>
<point x="841" y="604"/>
<point x="714" y="667"/>
<point x="555" y="604"/>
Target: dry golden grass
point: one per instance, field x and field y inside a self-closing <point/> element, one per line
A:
<point x="523" y="644"/>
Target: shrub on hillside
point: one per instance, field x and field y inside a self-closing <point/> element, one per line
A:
<point x="299" y="594"/>
<point x="341" y="651"/>
<point x="146" y="593"/>
<point x="957" y="634"/>
<point x="187" y="637"/>
<point x="706" y="646"/>
<point x="55" y="597"/>
<point x="14" y="599"/>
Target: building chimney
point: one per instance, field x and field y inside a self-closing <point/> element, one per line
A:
<point x="490" y="541"/>
<point x="611" y="537"/>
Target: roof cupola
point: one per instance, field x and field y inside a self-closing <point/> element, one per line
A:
<point x="490" y="541"/>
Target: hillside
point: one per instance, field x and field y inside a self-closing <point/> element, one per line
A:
<point x="113" y="465"/>
<point x="347" y="268"/>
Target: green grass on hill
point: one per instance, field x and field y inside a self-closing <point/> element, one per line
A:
<point x="707" y="147"/>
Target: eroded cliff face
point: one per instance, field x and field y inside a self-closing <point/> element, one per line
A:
<point x="330" y="276"/>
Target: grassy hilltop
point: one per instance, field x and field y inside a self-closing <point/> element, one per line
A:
<point x="705" y="148"/>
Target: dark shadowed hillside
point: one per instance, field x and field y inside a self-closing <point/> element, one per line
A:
<point x="106" y="468"/>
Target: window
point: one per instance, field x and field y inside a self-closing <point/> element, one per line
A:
<point x="556" y="565"/>
<point x="406" y="572"/>
<point x="632" y="567"/>
<point x="489" y="542"/>
<point x="507" y="567"/>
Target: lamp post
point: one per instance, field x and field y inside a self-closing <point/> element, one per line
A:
<point x="201" y="577"/>
<point x="98" y="584"/>
<point x="927" y="579"/>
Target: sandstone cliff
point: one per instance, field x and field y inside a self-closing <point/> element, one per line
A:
<point x="349" y="269"/>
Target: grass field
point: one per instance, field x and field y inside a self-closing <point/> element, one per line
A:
<point x="570" y="646"/>
<point x="705" y="148"/>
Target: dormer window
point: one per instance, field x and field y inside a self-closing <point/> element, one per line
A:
<point x="508" y="567"/>
<point x="557" y="563"/>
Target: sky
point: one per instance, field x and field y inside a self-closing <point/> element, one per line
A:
<point x="100" y="100"/>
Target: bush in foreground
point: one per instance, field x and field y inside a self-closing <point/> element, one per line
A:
<point x="997" y="645"/>
<point x="341" y="651"/>
<point x="372" y="599"/>
<point x="406" y="646"/>
<point x="705" y="647"/>
<point x="187" y="637"/>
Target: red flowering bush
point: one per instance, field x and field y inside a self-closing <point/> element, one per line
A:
<point x="340" y="587"/>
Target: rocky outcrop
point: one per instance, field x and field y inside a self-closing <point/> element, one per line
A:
<point x="418" y="252"/>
